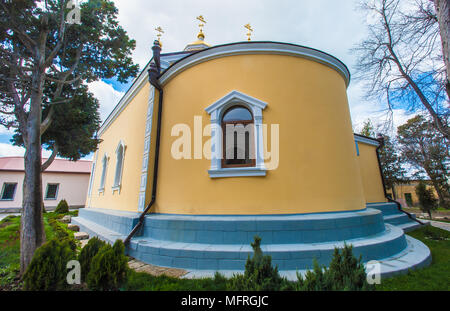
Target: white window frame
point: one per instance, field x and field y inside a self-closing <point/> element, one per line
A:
<point x="91" y="179"/>
<point x="46" y="191"/>
<point x="3" y="190"/>
<point x="216" y="111"/>
<point x="119" y="171"/>
<point x="105" y="161"/>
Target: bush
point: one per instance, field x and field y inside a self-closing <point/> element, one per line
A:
<point x="61" y="233"/>
<point x="48" y="268"/>
<point x="259" y="274"/>
<point x="345" y="273"/>
<point x="87" y="254"/>
<point x="109" y="268"/>
<point x="62" y="207"/>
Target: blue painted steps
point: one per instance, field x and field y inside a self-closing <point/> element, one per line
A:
<point x="202" y="256"/>
<point x="222" y="242"/>
<point x="393" y="216"/>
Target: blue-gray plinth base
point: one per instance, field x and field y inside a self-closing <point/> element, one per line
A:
<point x="203" y="244"/>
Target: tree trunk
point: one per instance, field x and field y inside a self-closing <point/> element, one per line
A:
<point x="429" y="214"/>
<point x="32" y="233"/>
<point x="443" y="14"/>
<point x="439" y="192"/>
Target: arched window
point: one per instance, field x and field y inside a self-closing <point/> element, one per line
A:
<point x="120" y="153"/>
<point x="103" y="176"/>
<point x="237" y="110"/>
<point x="238" y="138"/>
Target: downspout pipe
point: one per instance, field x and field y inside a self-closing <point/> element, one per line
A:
<point x="153" y="75"/>
<point x="380" y="138"/>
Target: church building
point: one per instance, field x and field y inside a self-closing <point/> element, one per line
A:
<point x="214" y="145"/>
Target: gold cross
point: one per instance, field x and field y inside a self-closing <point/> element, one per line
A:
<point x="160" y="32"/>
<point x="200" y="35"/>
<point x="250" y="30"/>
<point x="201" y="19"/>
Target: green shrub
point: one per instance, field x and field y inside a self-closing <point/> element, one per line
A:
<point x="259" y="274"/>
<point x="87" y="254"/>
<point x="345" y="273"/>
<point x="62" y="207"/>
<point x="61" y="233"/>
<point x="48" y="268"/>
<point x="109" y="268"/>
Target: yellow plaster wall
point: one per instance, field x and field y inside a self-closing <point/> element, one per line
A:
<point x="370" y="173"/>
<point x="318" y="169"/>
<point x="129" y="126"/>
<point x="401" y="189"/>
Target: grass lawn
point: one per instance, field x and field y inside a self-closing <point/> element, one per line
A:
<point x="10" y="247"/>
<point x="437" y="275"/>
<point x="434" y="277"/>
<point x="140" y="281"/>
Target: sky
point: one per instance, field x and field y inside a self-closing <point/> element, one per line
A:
<point x="332" y="26"/>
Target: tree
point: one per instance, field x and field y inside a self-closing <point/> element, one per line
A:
<point x="368" y="129"/>
<point x="391" y="165"/>
<point x="46" y="56"/>
<point x="401" y="60"/>
<point x="427" y="201"/>
<point x="424" y="148"/>
<point x="70" y="134"/>
<point x="443" y="16"/>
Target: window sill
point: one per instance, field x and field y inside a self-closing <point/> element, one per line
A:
<point x="116" y="188"/>
<point x="101" y="190"/>
<point x="237" y="172"/>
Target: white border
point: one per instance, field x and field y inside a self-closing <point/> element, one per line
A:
<point x="146" y="153"/>
<point x="366" y="140"/>
<point x="118" y="186"/>
<point x="256" y="48"/>
<point x="101" y="189"/>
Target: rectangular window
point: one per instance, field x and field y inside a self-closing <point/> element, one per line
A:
<point x="408" y="199"/>
<point x="52" y="191"/>
<point x="9" y="190"/>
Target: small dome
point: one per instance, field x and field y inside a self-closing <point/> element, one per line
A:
<point x="199" y="44"/>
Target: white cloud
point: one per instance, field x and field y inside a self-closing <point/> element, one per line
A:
<point x="4" y="130"/>
<point x="8" y="150"/>
<point x="107" y="96"/>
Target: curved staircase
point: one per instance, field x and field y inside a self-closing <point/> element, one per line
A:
<point x="205" y="244"/>
<point x="393" y="216"/>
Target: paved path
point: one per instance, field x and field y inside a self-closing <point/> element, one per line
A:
<point x="441" y="225"/>
<point x="140" y="266"/>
